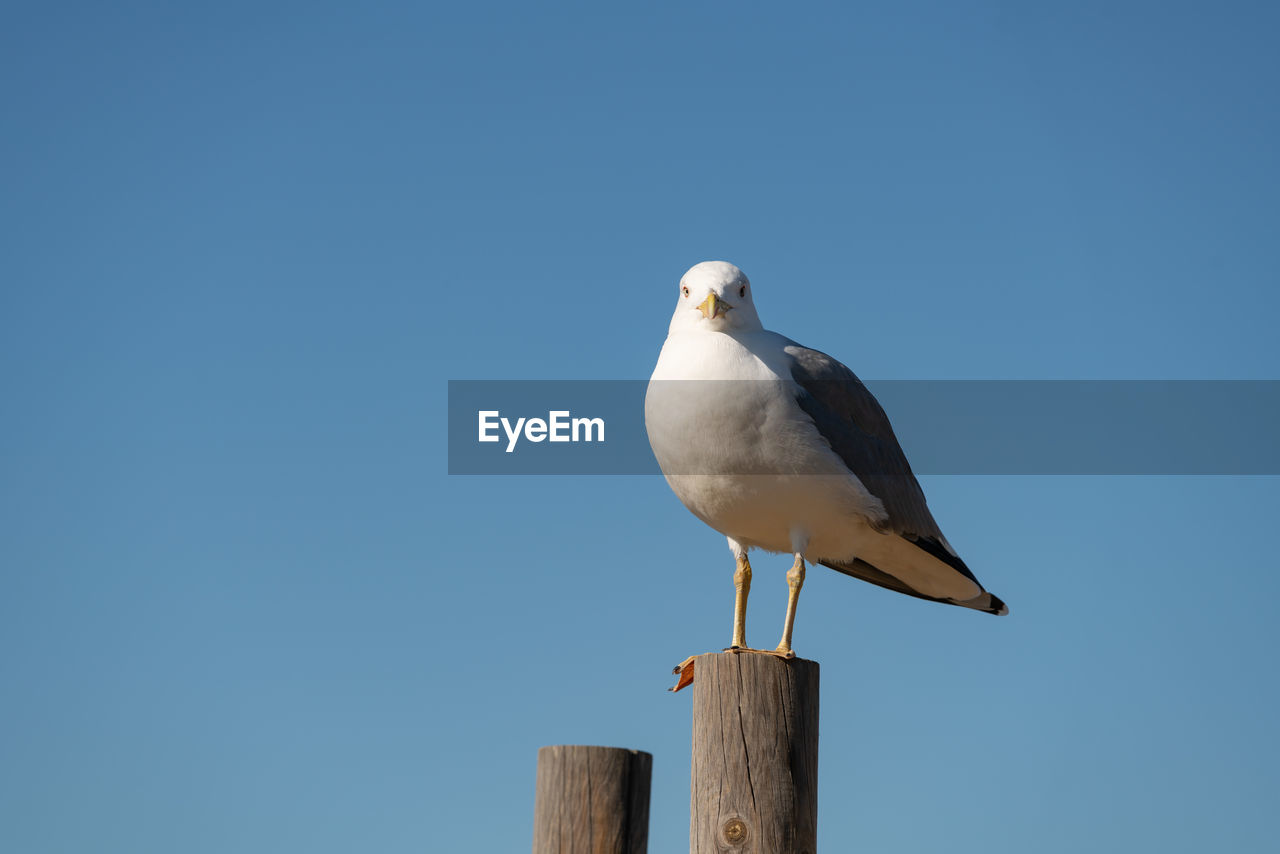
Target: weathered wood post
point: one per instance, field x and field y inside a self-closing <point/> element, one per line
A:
<point x="755" y="755"/>
<point x="592" y="800"/>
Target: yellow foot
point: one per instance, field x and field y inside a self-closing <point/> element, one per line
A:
<point x="685" y="671"/>
<point x="781" y="653"/>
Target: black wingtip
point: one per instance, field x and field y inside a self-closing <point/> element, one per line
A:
<point x="987" y="603"/>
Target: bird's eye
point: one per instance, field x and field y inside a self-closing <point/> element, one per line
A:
<point x="684" y="291"/>
<point x="742" y="291"/>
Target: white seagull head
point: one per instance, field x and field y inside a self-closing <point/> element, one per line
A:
<point x="715" y="296"/>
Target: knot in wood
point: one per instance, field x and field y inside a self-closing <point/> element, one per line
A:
<point x="735" y="831"/>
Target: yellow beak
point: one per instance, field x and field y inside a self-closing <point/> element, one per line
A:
<point x="713" y="307"/>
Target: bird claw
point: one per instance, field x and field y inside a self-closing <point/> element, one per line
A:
<point x="780" y="653"/>
<point x="685" y="669"/>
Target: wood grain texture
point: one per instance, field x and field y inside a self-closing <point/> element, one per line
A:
<point x="754" y="781"/>
<point x="592" y="800"/>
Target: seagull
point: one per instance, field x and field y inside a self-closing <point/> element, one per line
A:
<point x="782" y="448"/>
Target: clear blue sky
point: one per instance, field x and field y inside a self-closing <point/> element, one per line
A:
<point x="245" y="245"/>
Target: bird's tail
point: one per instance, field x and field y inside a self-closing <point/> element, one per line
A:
<point x="986" y="602"/>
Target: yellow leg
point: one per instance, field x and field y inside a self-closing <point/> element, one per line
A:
<point x="742" y="586"/>
<point x="795" y="580"/>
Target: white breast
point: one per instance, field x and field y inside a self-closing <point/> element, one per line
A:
<point x="739" y="452"/>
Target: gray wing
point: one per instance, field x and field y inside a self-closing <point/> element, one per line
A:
<point x="853" y="423"/>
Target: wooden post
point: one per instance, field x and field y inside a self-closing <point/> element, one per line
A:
<point x="755" y="755"/>
<point x="592" y="800"/>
